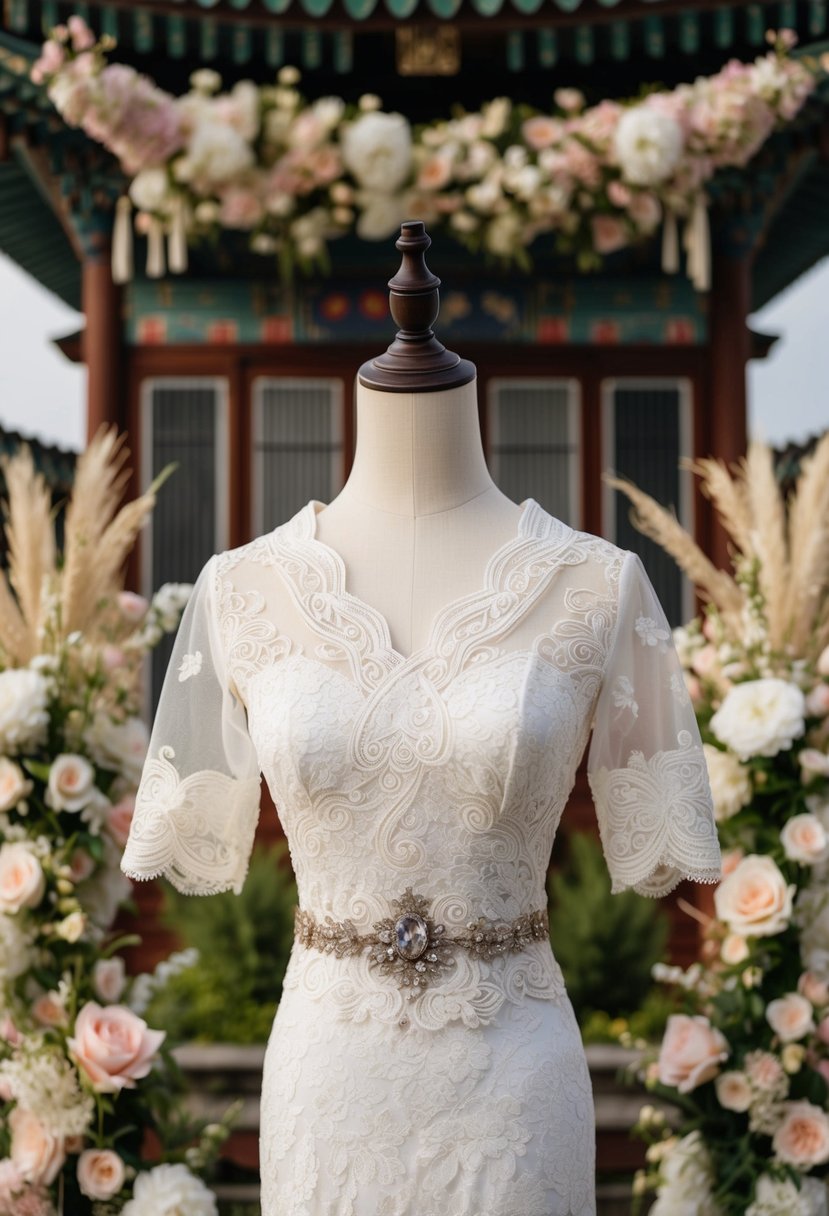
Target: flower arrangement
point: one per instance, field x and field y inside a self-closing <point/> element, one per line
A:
<point x="82" y="1074"/>
<point x="296" y="174"/>
<point x="746" y="1057"/>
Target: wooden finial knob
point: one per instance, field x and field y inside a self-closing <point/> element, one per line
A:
<point x="416" y="361"/>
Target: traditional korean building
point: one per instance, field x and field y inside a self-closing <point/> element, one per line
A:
<point x="248" y="384"/>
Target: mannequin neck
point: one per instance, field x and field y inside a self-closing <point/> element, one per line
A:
<point x="417" y="453"/>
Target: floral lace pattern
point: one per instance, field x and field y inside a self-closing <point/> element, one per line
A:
<point x="446" y="771"/>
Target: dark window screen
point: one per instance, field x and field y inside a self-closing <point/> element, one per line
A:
<point x="297" y="446"/>
<point x="532" y="448"/>
<point x="647" y="449"/>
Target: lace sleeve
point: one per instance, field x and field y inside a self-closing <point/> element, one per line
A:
<point x="197" y="804"/>
<point x="646" y="765"/>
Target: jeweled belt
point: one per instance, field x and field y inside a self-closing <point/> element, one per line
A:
<point x="410" y="947"/>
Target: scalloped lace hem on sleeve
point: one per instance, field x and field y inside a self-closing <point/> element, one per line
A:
<point x="656" y="820"/>
<point x="196" y="831"/>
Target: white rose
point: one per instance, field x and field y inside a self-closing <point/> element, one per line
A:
<point x="733" y="1090"/>
<point x="71" y="781"/>
<point x="205" y="80"/>
<point x="109" y="978"/>
<point x="168" y="1190"/>
<point x="377" y="148"/>
<point x="648" y="145"/>
<point x="71" y="928"/>
<point x="118" y="745"/>
<point x="23" y="713"/>
<point x="150" y="190"/>
<point x="790" y="1017"/>
<point x="814" y="763"/>
<point x="730" y="782"/>
<point x="804" y="839"/>
<point x="687" y="1176"/>
<point x="760" y="717"/>
<point x="754" y="899"/>
<point x="734" y="950"/>
<point x="22" y="881"/>
<point x="13" y="785"/>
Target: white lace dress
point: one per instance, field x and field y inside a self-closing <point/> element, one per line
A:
<point x="445" y="772"/>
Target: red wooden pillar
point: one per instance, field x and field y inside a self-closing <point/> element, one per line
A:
<point x="102" y="340"/>
<point x="730" y="348"/>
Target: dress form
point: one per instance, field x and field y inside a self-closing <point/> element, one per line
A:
<point x="419" y="516"/>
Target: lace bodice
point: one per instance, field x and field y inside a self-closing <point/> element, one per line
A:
<point x="446" y="770"/>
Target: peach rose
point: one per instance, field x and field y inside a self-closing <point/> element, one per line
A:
<point x="691" y="1053"/>
<point x="817" y="701"/>
<point x="754" y="900"/>
<point x="119" y="818"/>
<point x="731" y="858"/>
<point x="37" y="1154"/>
<point x="802" y="1139"/>
<point x="22" y="882"/>
<point x="108" y="978"/>
<point x="101" y="1173"/>
<point x="48" y="1010"/>
<point x="805" y="840"/>
<point x="734" y="950"/>
<point x="733" y="1091"/>
<point x="790" y="1017"/>
<point x="71" y="781"/>
<point x="13" y="785"/>
<point x="813" y="988"/>
<point x="113" y="1046"/>
<point x="541" y="132"/>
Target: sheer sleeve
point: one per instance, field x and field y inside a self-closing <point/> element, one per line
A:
<point x="197" y="804"/>
<point x="646" y="765"/>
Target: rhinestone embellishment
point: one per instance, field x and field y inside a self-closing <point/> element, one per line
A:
<point x="409" y="947"/>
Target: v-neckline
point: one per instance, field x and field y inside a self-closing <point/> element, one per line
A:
<point x="523" y="531"/>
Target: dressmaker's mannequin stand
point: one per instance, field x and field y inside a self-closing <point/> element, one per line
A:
<point x="419" y="515"/>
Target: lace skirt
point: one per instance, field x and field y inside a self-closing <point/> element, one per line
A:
<point x="365" y="1118"/>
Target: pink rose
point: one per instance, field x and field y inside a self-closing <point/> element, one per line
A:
<point x="619" y="194"/>
<point x="823" y="1030"/>
<point x="802" y="1139"/>
<point x="645" y="210"/>
<point x="119" y="818"/>
<point x="755" y="900"/>
<point x="37" y="1154"/>
<point x="240" y="208"/>
<point x="81" y="865"/>
<point x="114" y="1046"/>
<point x="691" y="1053"/>
<point x="731" y="858"/>
<point x="813" y="988"/>
<point x="101" y="1173"/>
<point x="133" y="608"/>
<point x="790" y="1017"/>
<point x="817" y="701"/>
<point x="540" y="132"/>
<point x="49" y="1011"/>
<point x="435" y="172"/>
<point x="113" y="657"/>
<point x="608" y="233"/>
<point x="22" y="882"/>
<point x="108" y="978"/>
<point x="82" y="37"/>
<point x="804" y="840"/>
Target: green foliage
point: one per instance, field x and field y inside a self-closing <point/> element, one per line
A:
<point x="644" y="1025"/>
<point x="606" y="944"/>
<point x="244" y="942"/>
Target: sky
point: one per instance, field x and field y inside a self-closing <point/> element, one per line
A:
<point x="42" y="393"/>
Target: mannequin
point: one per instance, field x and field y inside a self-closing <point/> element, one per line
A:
<point x="419" y="515"/>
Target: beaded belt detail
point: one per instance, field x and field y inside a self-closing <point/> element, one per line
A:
<point x="410" y="947"/>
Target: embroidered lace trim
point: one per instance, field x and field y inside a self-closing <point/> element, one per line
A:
<point x="655" y="820"/>
<point x="197" y="832"/>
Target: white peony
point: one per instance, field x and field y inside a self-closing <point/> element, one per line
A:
<point x="730" y="782"/>
<point x="170" y="1190"/>
<point x="648" y="145"/>
<point x="760" y="717"/>
<point x="805" y="840"/>
<point x="23" y="713"/>
<point x="377" y="148"/>
<point x="381" y="216"/>
<point x="218" y="153"/>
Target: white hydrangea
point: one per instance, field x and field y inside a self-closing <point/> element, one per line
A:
<point x="24" y="716"/>
<point x="648" y="145"/>
<point x="218" y="153"/>
<point x="169" y="603"/>
<point x="377" y="148"/>
<point x="781" y="1197"/>
<point x="121" y="746"/>
<point x="170" y="1190"/>
<point x="102" y="894"/>
<point x="760" y="717"/>
<point x="730" y="782"/>
<point x="45" y="1083"/>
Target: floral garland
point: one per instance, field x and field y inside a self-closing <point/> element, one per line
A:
<point x="296" y="174"/>
<point x="747" y="1060"/>
<point x="81" y="1073"/>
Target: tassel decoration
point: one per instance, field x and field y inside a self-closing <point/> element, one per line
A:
<point x="122" y="263"/>
<point x="155" y="249"/>
<point x="670" y="244"/>
<point x="177" y="241"/>
<point x="697" y="243"/>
